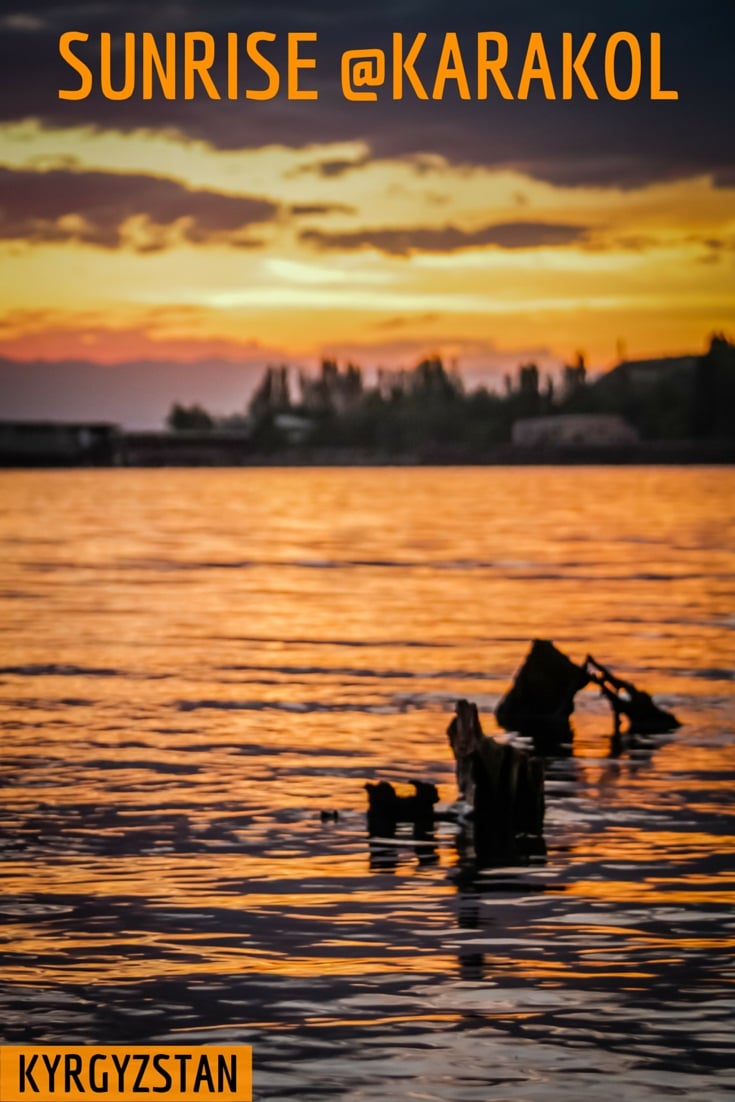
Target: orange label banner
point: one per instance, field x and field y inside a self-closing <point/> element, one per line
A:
<point x="125" y="1073"/>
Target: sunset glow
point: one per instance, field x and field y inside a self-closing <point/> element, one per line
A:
<point x="258" y="232"/>
<point x="382" y="263"/>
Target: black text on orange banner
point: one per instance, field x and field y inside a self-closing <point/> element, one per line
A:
<point x="125" y="1073"/>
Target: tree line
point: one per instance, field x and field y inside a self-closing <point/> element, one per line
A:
<point x="409" y="410"/>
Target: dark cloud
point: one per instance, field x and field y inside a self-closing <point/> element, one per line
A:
<point x="302" y="210"/>
<point x="332" y="169"/>
<point x="93" y="207"/>
<point x="22" y="21"/>
<point x="410" y="320"/>
<point x="606" y="143"/>
<point x="449" y="239"/>
<point x="635" y="243"/>
<point x="725" y="178"/>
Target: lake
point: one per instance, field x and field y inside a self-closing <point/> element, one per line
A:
<point x="196" y="663"/>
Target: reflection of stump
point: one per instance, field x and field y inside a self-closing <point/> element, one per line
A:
<point x="505" y="786"/>
<point x="541" y="699"/>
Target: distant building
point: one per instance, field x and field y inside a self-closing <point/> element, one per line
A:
<point x="639" y="376"/>
<point x="295" y="428"/>
<point x="59" y="444"/>
<point x="573" y="430"/>
<point x="674" y="397"/>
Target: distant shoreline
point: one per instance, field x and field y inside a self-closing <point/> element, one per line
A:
<point x="215" y="449"/>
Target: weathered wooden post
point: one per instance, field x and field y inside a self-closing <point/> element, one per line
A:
<point x="504" y="785"/>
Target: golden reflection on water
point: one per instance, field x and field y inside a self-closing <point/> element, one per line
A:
<point x="195" y="664"/>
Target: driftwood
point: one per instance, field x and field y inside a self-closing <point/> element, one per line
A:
<point x="501" y="785"/>
<point x="643" y="714"/>
<point x="386" y="809"/>
<point x="504" y="785"/>
<point x="541" y="700"/>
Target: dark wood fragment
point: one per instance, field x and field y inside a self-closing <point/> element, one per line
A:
<point x="541" y="700"/>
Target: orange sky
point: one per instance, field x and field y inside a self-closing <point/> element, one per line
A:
<point x="387" y="260"/>
<point x="379" y="237"/>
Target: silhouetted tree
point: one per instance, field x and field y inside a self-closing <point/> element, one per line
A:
<point x="332" y="391"/>
<point x="430" y="380"/>
<point x="272" y="396"/>
<point x="527" y="401"/>
<point x="574" y="383"/>
<point x="180" y="418"/>
<point x="426" y="412"/>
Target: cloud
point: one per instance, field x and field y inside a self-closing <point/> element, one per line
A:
<point x="109" y="210"/>
<point x="332" y="169"/>
<point x="448" y="239"/>
<point x="303" y="210"/>
<point x="22" y="21"/>
<point x="174" y="332"/>
<point x="601" y="143"/>
<point x="725" y="178"/>
<point x="408" y="321"/>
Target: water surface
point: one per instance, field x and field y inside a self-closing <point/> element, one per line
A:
<point x="195" y="664"/>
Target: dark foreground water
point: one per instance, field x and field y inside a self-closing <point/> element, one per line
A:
<point x="196" y="663"/>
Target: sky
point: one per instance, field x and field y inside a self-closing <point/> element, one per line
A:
<point x="168" y="249"/>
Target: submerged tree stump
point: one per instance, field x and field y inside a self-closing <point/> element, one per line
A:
<point x="541" y="700"/>
<point x="504" y="785"/>
<point x="386" y="809"/>
<point x="501" y="785"/>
